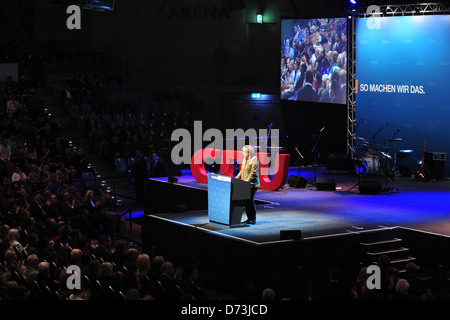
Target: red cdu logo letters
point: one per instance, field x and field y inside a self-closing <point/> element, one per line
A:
<point x="226" y="159"/>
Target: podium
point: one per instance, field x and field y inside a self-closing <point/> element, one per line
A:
<point x="226" y="199"/>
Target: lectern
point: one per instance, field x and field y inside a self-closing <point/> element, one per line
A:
<point x="226" y="199"/>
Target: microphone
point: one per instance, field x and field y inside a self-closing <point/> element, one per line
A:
<point x="322" y="129"/>
<point x="387" y="123"/>
<point x="396" y="131"/>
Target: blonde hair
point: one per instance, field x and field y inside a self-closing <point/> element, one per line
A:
<point x="250" y="148"/>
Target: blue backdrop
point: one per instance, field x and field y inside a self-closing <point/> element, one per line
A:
<point x="403" y="83"/>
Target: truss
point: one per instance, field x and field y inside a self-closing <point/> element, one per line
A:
<point x="381" y="11"/>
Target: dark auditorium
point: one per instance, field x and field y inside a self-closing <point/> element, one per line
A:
<point x="139" y="138"/>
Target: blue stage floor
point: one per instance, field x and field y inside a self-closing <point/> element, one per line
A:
<point x="422" y="206"/>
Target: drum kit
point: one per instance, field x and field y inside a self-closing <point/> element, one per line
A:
<point x="373" y="161"/>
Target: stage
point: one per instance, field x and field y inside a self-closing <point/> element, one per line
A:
<point x="297" y="229"/>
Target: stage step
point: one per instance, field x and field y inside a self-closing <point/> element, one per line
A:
<point x="391" y="252"/>
<point x="401" y="263"/>
<point x="382" y="243"/>
<point x="394" y="248"/>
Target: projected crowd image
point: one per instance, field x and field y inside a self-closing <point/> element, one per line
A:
<point x="314" y="60"/>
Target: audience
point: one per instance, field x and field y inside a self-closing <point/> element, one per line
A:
<point x="268" y="294"/>
<point x="119" y="118"/>
<point x="46" y="224"/>
<point x="169" y="283"/>
<point x="318" y="46"/>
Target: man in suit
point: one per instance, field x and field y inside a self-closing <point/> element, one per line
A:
<point x="299" y="81"/>
<point x="307" y="92"/>
<point x="325" y="96"/>
<point x="157" y="168"/>
<point x="250" y="172"/>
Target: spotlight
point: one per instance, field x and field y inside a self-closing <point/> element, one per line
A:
<point x="353" y="2"/>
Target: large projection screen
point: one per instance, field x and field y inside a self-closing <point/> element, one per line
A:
<point x="314" y="60"/>
<point x="402" y="86"/>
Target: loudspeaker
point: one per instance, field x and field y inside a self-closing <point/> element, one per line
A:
<point x="326" y="184"/>
<point x="340" y="162"/>
<point x="290" y="234"/>
<point x="172" y="180"/>
<point x="369" y="187"/>
<point x="297" y="181"/>
<point x="435" y="161"/>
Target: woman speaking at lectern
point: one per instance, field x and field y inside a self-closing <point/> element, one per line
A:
<point x="250" y="172"/>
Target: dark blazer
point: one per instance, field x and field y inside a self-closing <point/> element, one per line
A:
<point x="307" y="93"/>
